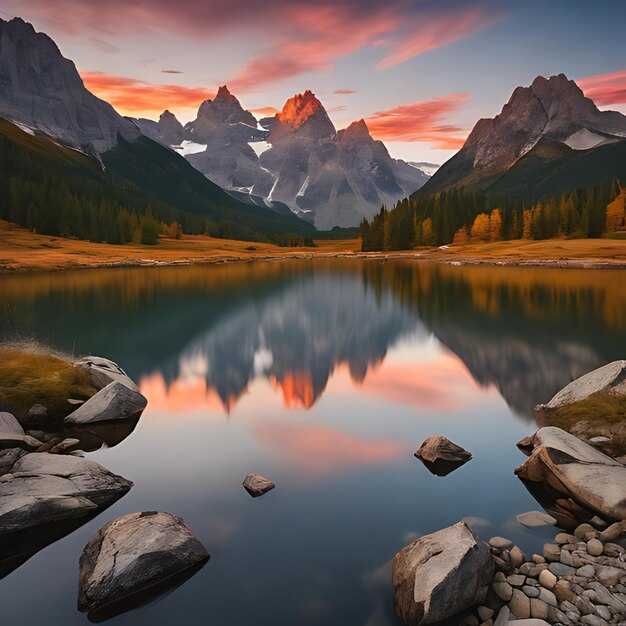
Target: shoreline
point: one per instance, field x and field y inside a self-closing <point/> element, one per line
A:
<point x="447" y="259"/>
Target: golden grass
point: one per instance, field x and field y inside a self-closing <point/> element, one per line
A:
<point x="28" y="378"/>
<point x="599" y="409"/>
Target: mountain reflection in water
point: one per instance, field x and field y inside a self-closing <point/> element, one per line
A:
<point x="527" y="332"/>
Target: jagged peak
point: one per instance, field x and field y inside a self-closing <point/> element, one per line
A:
<point x="300" y="108"/>
<point x="357" y="130"/>
<point x="224" y="95"/>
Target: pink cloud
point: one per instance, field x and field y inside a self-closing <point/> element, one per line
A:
<point x="421" y="121"/>
<point x="131" y="96"/>
<point x="299" y="38"/>
<point x="605" y="89"/>
<point x="344" y="92"/>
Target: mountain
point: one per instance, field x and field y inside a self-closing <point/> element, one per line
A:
<point x="297" y="158"/>
<point x="545" y="123"/>
<point x="48" y="118"/>
<point x="41" y="89"/>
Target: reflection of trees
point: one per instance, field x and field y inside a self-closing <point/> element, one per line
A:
<point x="526" y="331"/>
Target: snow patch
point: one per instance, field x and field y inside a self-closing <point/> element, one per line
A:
<point x="303" y="188"/>
<point x="584" y="139"/>
<point x="427" y="168"/>
<point x="259" y="146"/>
<point x="189" y="147"/>
<point x="26" y="129"/>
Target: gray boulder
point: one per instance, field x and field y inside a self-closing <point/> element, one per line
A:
<point x="12" y="434"/>
<point x="104" y="371"/>
<point x="9" y="425"/>
<point x="439" y="448"/>
<point x="114" y="402"/>
<point x="42" y="488"/>
<point x="569" y="466"/>
<point x="611" y="377"/>
<point x="441" y="574"/>
<point x="132" y="556"/>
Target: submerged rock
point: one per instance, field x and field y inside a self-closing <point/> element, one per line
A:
<point x="441" y="574"/>
<point x="588" y="478"/>
<point x="113" y="402"/>
<point x="104" y="371"/>
<point x="256" y="485"/>
<point x="132" y="559"/>
<point x="441" y="456"/>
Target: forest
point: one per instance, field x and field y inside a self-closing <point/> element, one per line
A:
<point x="460" y="215"/>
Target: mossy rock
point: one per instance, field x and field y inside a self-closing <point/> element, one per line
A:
<point x="28" y="378"/>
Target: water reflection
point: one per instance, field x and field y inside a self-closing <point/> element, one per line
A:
<point x="210" y="332"/>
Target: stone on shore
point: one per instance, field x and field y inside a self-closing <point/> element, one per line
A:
<point x="12" y="434"/>
<point x="114" y="402"/>
<point x="441" y="574"/>
<point x="578" y="471"/>
<point x="132" y="559"/>
<point x="610" y="377"/>
<point x="256" y="485"/>
<point x="104" y="371"/>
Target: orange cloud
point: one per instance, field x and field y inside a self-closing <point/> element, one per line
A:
<point x="344" y="92"/>
<point x="605" y="89"/>
<point x="265" y="111"/>
<point x="320" y="449"/>
<point x="421" y="121"/>
<point x="131" y="96"/>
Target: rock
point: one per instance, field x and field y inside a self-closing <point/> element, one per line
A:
<point x="484" y="613"/>
<point x="603" y="612"/>
<point x="562" y="590"/>
<point x="37" y="413"/>
<point x="582" y="530"/>
<point x="503" y="590"/>
<point x="535" y="519"/>
<point x="441" y="456"/>
<point x="503" y="617"/>
<point x="551" y="552"/>
<point x="114" y="402"/>
<point x="501" y="543"/>
<point x="538" y="608"/>
<point x="562" y="538"/>
<point x="609" y="576"/>
<point x="545" y="595"/>
<point x="9" y="425"/>
<point x="593" y="620"/>
<point x="526" y="445"/>
<point x="566" y="558"/>
<point x="531" y="592"/>
<point x="516" y="556"/>
<point x="516" y="580"/>
<point x="613" y="532"/>
<point x="256" y="485"/>
<point x="606" y="378"/>
<point x="586" y="571"/>
<point x="25" y="442"/>
<point x="595" y="547"/>
<point x="559" y="570"/>
<point x="441" y="574"/>
<point x="132" y="556"/>
<point x="547" y="579"/>
<point x="104" y="371"/>
<point x="64" y="446"/>
<point x="519" y="604"/>
<point x="530" y="622"/>
<point x="577" y="470"/>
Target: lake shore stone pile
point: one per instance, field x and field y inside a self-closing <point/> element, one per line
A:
<point x="579" y="579"/>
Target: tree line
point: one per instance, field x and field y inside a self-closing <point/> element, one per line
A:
<point x="468" y="215"/>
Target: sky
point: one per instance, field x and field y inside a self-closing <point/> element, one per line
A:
<point x="420" y="72"/>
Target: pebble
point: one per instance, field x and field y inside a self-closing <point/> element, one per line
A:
<point x="580" y="531"/>
<point x="593" y="620"/>
<point x="587" y="571"/>
<point x="485" y="613"/>
<point x="516" y="556"/>
<point x="531" y="592"/>
<point x="500" y="543"/>
<point x="609" y="576"/>
<point x="551" y="552"/>
<point x="535" y="519"/>
<point x="558" y="569"/>
<point x="516" y="580"/>
<point x="566" y="558"/>
<point x="595" y="547"/>
<point x="538" y="608"/>
<point x="537" y="558"/>
<point x="613" y="532"/>
<point x="503" y="590"/>
<point x="547" y="579"/>
<point x="519" y="604"/>
<point x="565" y="538"/>
<point x="548" y="597"/>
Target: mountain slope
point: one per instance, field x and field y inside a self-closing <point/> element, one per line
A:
<point x="334" y="178"/>
<point x="551" y="109"/>
<point x="42" y="89"/>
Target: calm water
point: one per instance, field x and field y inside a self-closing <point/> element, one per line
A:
<point x="324" y="377"/>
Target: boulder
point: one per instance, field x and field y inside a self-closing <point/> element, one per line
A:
<point x="37" y="413"/>
<point x="441" y="574"/>
<point x="104" y="371"/>
<point x="114" y="402"/>
<point x="256" y="485"/>
<point x="44" y="488"/>
<point x="611" y="377"/>
<point x="132" y="559"/>
<point x="12" y="434"/>
<point x="535" y="519"/>
<point x="441" y="456"/>
<point x="578" y="471"/>
<point x="9" y="425"/>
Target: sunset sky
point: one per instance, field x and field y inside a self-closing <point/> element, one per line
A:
<point x="421" y="72"/>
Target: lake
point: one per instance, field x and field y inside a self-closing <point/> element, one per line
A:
<point x="325" y="377"/>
